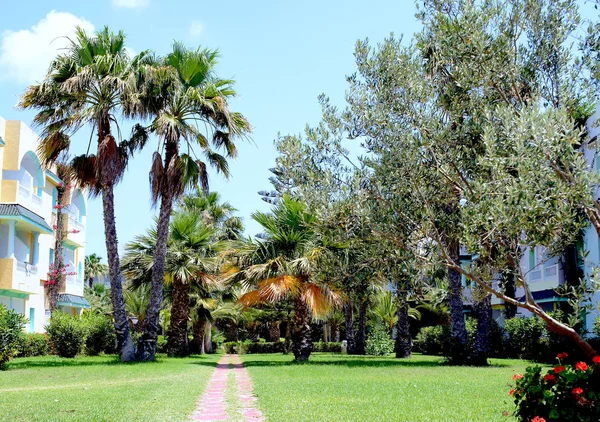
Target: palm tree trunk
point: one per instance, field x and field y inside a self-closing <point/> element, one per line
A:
<point x="361" y="334"/>
<point x="336" y="333"/>
<point x="90" y="282"/>
<point x="207" y="338"/>
<point x="198" y="329"/>
<point x="177" y="344"/>
<point x="288" y="335"/>
<point x="147" y="343"/>
<point x="124" y="342"/>
<point x="403" y="339"/>
<point x="301" y="337"/>
<point x="52" y="290"/>
<point x="274" y="331"/>
<point x="349" y="316"/>
<point x="457" y="355"/>
<point x="483" y="311"/>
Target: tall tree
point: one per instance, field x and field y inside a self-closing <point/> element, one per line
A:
<point x="94" y="268"/>
<point x="281" y="266"/>
<point x="189" y="95"/>
<point x="89" y="85"/>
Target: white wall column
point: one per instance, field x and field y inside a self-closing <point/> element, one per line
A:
<point x="35" y="253"/>
<point x="12" y="233"/>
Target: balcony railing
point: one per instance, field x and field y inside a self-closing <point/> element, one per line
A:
<point x="75" y="224"/>
<point x="546" y="274"/>
<point x="28" y="269"/>
<point x="26" y="193"/>
<point x="36" y="199"/>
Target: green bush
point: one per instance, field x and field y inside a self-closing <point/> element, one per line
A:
<point x="67" y="334"/>
<point x="379" y="342"/>
<point x="327" y="347"/>
<point x="432" y="340"/>
<point x="563" y="393"/>
<point x="596" y="329"/>
<point x="161" y="344"/>
<point x="33" y="345"/>
<point x="99" y="334"/>
<point x="524" y="337"/>
<point x="230" y="347"/>
<point x="11" y="326"/>
<point x="497" y="338"/>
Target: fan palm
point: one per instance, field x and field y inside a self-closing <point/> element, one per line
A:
<point x="385" y="311"/>
<point x="94" y="268"/>
<point x="136" y="304"/>
<point x="281" y="266"/>
<point x="88" y="85"/>
<point x="193" y="95"/>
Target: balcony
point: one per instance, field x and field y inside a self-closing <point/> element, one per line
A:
<point x="544" y="277"/>
<point x="74" y="230"/>
<point x="18" y="276"/>
<point x="28" y="198"/>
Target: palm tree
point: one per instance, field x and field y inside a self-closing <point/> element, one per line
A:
<point x="136" y="304"/>
<point x="94" y="268"/>
<point x="281" y="266"/>
<point x="191" y="96"/>
<point x="90" y="84"/>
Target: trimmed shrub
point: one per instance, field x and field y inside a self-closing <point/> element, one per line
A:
<point x="266" y="347"/>
<point x="11" y="326"/>
<point x="497" y="337"/>
<point x="379" y="342"/>
<point x="327" y="347"/>
<point x="563" y="393"/>
<point x="66" y="333"/>
<point x="596" y="328"/>
<point x="432" y="340"/>
<point x="524" y="337"/>
<point x="230" y="347"/>
<point x="33" y="345"/>
<point x="100" y="334"/>
<point x="161" y="344"/>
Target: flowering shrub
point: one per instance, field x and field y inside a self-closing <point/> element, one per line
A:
<point x="34" y="345"/>
<point x="563" y="393"/>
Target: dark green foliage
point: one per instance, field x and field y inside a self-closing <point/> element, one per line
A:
<point x="67" y="334"/>
<point x="563" y="393"/>
<point x="379" y="342"/>
<point x="432" y="340"/>
<point x="327" y="347"/>
<point x="497" y="338"/>
<point x="100" y="334"/>
<point x="11" y="326"/>
<point x="597" y="327"/>
<point x="250" y="347"/>
<point x="33" y="345"/>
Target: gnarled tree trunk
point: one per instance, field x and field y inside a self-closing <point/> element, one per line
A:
<point x="198" y="328"/>
<point x="124" y="341"/>
<point x="483" y="312"/>
<point x="458" y="353"/>
<point x="56" y="283"/>
<point x="301" y="336"/>
<point x="510" y="310"/>
<point x="177" y="343"/>
<point x="403" y="340"/>
<point x="208" y="338"/>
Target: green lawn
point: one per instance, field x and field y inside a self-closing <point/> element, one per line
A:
<point x="102" y="389"/>
<point x="347" y="388"/>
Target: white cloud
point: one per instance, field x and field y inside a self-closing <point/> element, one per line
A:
<point x="26" y="54"/>
<point x="131" y="4"/>
<point x="195" y="29"/>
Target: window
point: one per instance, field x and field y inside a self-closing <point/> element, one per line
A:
<point x="54" y="197"/>
<point x="51" y="260"/>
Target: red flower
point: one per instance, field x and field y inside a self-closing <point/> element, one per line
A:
<point x="562" y="356"/>
<point x="538" y="419"/>
<point x="559" y="369"/>
<point x="582" y="366"/>
<point x="549" y="378"/>
<point x="517" y="377"/>
<point x="511" y="392"/>
<point x="596" y="359"/>
<point x="577" y="390"/>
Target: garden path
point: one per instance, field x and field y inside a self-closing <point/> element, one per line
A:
<point x="229" y="395"/>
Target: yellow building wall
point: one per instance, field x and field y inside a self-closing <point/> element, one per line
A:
<point x="6" y="273"/>
<point x="9" y="191"/>
<point x="12" y="140"/>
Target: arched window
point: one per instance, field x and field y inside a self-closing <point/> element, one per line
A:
<point x="77" y="208"/>
<point x="31" y="175"/>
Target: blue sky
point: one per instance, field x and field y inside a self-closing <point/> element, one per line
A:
<point x="281" y="54"/>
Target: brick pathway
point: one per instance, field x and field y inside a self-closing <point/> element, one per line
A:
<point x="213" y="405"/>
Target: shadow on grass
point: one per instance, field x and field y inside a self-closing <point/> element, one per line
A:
<point x="362" y="361"/>
<point x="56" y="362"/>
